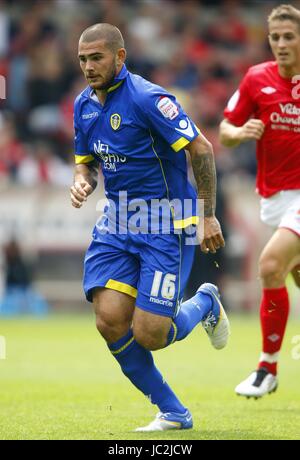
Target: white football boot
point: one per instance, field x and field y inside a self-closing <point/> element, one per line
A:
<point x="169" y="421"/>
<point x="258" y="384"/>
<point x="215" y="323"/>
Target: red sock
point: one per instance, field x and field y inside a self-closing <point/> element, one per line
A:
<point x="274" y="310"/>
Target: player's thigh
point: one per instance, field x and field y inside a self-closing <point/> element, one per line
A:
<point x="166" y="262"/>
<point x="110" y="282"/>
<point x="114" y="312"/>
<point x="108" y="264"/>
<point x="281" y="252"/>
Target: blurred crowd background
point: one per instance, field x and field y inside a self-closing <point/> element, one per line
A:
<point x="199" y="50"/>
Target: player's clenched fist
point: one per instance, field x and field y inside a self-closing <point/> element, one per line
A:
<point x="253" y="129"/>
<point x="79" y="193"/>
<point x="212" y="240"/>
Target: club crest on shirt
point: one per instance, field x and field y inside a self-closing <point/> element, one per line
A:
<point x="115" y="121"/>
<point x="167" y="107"/>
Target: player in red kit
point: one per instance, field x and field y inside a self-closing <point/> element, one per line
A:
<point x="266" y="107"/>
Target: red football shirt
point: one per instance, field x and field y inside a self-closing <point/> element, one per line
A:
<point x="275" y="100"/>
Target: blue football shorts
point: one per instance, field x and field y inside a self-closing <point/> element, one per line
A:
<point x="152" y="268"/>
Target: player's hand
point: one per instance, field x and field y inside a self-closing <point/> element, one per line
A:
<point x="212" y="240"/>
<point x="253" y="129"/>
<point x="79" y="193"/>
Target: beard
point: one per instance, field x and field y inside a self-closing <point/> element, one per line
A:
<point x="107" y="83"/>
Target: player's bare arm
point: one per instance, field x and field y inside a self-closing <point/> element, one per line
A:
<point x="85" y="182"/>
<point x="232" y="136"/>
<point x="203" y="165"/>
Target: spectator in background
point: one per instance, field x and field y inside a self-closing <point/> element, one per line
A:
<point x="19" y="296"/>
<point x="4" y="30"/>
<point x="180" y="44"/>
<point x="12" y="151"/>
<point x="42" y="167"/>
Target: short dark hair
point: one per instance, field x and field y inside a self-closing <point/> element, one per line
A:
<point x="285" y="13"/>
<point x="103" y="31"/>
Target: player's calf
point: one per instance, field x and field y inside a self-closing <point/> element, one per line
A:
<point x="150" y="330"/>
<point x="148" y="341"/>
<point x="151" y="340"/>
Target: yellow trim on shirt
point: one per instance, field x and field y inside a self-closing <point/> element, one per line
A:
<point x="82" y="159"/>
<point x="112" y="88"/>
<point x="121" y="287"/>
<point x="180" y="144"/>
<point x="183" y="223"/>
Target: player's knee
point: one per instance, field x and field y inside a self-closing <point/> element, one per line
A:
<point x="110" y="331"/>
<point x="271" y="269"/>
<point x="151" y="340"/>
<point x="106" y="330"/>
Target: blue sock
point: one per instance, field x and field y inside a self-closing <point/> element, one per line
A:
<point x="190" y="314"/>
<point x="137" y="364"/>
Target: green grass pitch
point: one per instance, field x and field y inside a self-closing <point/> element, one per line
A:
<point x="59" y="381"/>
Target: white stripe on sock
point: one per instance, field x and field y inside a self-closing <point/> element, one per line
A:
<point x="269" y="358"/>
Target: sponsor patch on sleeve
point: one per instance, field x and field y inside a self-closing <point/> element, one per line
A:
<point x="167" y="107"/>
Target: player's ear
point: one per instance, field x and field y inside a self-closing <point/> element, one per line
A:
<point x="121" y="56"/>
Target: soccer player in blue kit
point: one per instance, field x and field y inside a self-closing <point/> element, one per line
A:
<point x="138" y="133"/>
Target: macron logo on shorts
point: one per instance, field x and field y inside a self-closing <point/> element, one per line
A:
<point x="165" y="303"/>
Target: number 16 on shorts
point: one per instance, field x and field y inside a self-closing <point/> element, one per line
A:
<point x="166" y="283"/>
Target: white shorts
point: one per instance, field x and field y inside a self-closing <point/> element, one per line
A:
<point x="282" y="210"/>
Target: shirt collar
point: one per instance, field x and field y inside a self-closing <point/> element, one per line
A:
<point x="121" y="76"/>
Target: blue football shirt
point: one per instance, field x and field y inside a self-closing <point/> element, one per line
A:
<point x="138" y="136"/>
